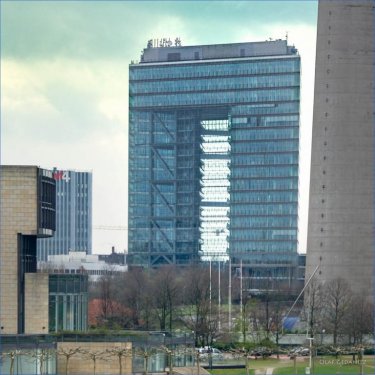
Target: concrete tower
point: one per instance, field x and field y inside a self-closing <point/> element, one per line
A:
<point x="341" y="214"/>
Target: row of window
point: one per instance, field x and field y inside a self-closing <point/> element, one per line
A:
<point x="140" y="121"/>
<point x="264" y="134"/>
<point x="211" y="98"/>
<point x="265" y="159"/>
<point x="221" y="195"/>
<point x="284" y="65"/>
<point x="263" y="222"/>
<point x="265" y="171"/>
<point x="267" y="197"/>
<point x="267" y="147"/>
<point x="67" y="312"/>
<point x="268" y="184"/>
<point x="266" y="209"/>
<point x="182" y="187"/>
<point x="266" y="246"/>
<point x="265" y="108"/>
<point x="161" y="210"/>
<point x="231" y="83"/>
<point x="289" y="120"/>
<point x="263" y="234"/>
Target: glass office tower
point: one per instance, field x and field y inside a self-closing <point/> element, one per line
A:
<point x="213" y="155"/>
<point x="73" y="215"/>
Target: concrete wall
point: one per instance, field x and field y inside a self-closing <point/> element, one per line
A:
<point x="81" y="363"/>
<point x="18" y="215"/>
<point x="341" y="214"/>
<point x="36" y="303"/>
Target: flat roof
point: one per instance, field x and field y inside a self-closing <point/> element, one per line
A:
<point x="158" y="52"/>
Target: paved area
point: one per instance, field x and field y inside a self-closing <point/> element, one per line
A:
<point x="189" y="371"/>
<point x="267" y="371"/>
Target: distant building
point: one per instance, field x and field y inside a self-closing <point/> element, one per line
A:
<point x="341" y="214"/>
<point x="73" y="215"/>
<point x="78" y="262"/>
<point x="114" y="257"/>
<point x="213" y="156"/>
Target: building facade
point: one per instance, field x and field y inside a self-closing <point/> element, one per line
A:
<point x="213" y="155"/>
<point x="73" y="215"/>
<point x="341" y="213"/>
<point x="28" y="207"/>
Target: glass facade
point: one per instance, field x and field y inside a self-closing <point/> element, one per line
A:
<point x="73" y="215"/>
<point x="213" y="159"/>
<point x="68" y="301"/>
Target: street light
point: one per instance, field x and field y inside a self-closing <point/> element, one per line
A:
<point x="322" y="336"/>
<point x="310" y="346"/>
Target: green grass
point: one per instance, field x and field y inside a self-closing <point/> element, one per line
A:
<point x="330" y="365"/>
<point x="322" y="366"/>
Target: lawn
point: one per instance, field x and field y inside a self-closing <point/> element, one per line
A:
<point x="330" y="365"/>
<point x="322" y="366"/>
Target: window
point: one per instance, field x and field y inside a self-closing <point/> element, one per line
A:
<point x="174" y="56"/>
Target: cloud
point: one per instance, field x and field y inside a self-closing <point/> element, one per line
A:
<point x="61" y="98"/>
<point x="64" y="80"/>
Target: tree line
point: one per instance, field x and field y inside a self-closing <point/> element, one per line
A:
<point x="334" y="308"/>
<point x="195" y="300"/>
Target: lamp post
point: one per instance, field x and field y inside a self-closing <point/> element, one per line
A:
<point x="219" y="299"/>
<point x="322" y="336"/>
<point x="230" y="297"/>
<point x="310" y="356"/>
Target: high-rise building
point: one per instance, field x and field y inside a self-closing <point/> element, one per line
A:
<point x="73" y="215"/>
<point x="213" y="155"/>
<point x="341" y="214"/>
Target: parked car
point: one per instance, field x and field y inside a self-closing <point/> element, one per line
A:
<point x="299" y="351"/>
<point x="261" y="352"/>
<point x="206" y="351"/>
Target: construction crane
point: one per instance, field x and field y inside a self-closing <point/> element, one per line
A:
<point x="109" y="227"/>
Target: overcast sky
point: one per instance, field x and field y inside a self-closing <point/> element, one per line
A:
<point x="64" y="82"/>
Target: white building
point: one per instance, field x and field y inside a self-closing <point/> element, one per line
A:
<point x="80" y="262"/>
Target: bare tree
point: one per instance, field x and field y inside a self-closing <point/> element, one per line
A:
<point x="41" y="357"/>
<point x="146" y="353"/>
<point x="106" y="294"/>
<point x="164" y="292"/>
<point x="337" y="301"/>
<point x="137" y="297"/>
<point x="94" y="355"/>
<point x="245" y="315"/>
<point x="12" y="355"/>
<point x="68" y="353"/>
<point x="359" y="319"/>
<point x="120" y="353"/>
<point x="276" y="314"/>
<point x="200" y="311"/>
<point x="313" y="307"/>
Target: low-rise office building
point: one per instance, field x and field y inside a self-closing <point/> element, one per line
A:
<point x="31" y="302"/>
<point x="78" y="262"/>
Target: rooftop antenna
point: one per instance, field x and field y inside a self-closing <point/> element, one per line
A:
<point x="286" y="37"/>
